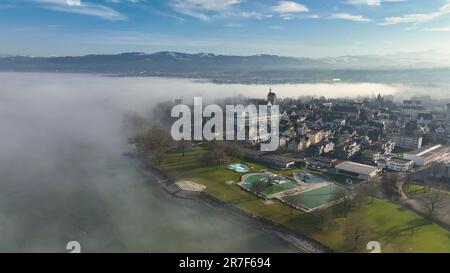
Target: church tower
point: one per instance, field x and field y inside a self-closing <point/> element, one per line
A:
<point x="271" y="97"/>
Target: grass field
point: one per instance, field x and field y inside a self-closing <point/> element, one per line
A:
<point x="396" y="228"/>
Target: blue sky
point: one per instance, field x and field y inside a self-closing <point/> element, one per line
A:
<point x="309" y="28"/>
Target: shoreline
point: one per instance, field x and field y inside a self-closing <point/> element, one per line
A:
<point x="300" y="242"/>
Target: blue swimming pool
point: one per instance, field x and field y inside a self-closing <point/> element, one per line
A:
<point x="238" y="167"/>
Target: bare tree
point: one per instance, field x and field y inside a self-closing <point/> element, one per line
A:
<point x="345" y="199"/>
<point x="356" y="232"/>
<point x="183" y="145"/>
<point x="323" y="218"/>
<point x="157" y="141"/>
<point x="389" y="185"/>
<point x="137" y="126"/>
<point x="258" y="187"/>
<point x="368" y="189"/>
<point x="292" y="201"/>
<point x="218" y="153"/>
<point x="235" y="150"/>
<point x="434" y="201"/>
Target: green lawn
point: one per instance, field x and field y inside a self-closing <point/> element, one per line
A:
<point x="413" y="189"/>
<point x="398" y="229"/>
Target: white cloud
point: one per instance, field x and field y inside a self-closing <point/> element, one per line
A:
<point x="284" y="7"/>
<point x="199" y="8"/>
<point x="364" y="2"/>
<point x="372" y="2"/>
<point x="417" y="18"/>
<point x="81" y="7"/>
<point x="438" y="29"/>
<point x="350" y="17"/>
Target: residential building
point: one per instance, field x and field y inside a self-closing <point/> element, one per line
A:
<point x="397" y="164"/>
<point x="409" y="142"/>
<point x="347" y="150"/>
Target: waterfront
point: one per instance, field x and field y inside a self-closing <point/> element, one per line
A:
<point x="64" y="178"/>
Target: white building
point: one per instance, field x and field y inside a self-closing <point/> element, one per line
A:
<point x="407" y="142"/>
<point x="427" y="154"/>
<point x="395" y="164"/>
<point x="357" y="170"/>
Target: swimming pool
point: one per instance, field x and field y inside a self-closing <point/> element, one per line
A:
<point x="238" y="167"/>
<point x="283" y="184"/>
<point x="318" y="197"/>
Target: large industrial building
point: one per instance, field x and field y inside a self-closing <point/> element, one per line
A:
<point x="441" y="168"/>
<point x="427" y="154"/>
<point x="356" y="170"/>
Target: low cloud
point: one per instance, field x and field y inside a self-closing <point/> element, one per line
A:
<point x="417" y="18"/>
<point x="350" y="17"/>
<point x="82" y="7"/>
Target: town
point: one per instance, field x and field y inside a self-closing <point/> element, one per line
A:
<point x="333" y="156"/>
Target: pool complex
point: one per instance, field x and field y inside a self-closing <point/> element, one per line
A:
<point x="318" y="197"/>
<point x="238" y="167"/>
<point x="287" y="184"/>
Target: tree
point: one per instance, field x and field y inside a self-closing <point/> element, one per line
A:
<point x="157" y="141"/>
<point x="361" y="194"/>
<point x="235" y="150"/>
<point x="345" y="198"/>
<point x="389" y="185"/>
<point x="292" y="201"/>
<point x="258" y="187"/>
<point x="183" y="145"/>
<point x="137" y="126"/>
<point x="368" y="189"/>
<point x="434" y="201"/>
<point x="356" y="232"/>
<point x="218" y="153"/>
<point x="323" y="218"/>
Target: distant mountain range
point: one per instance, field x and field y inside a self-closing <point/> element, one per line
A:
<point x="223" y="68"/>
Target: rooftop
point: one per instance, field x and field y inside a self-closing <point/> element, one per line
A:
<point x="356" y="168"/>
<point x="400" y="160"/>
<point x="428" y="150"/>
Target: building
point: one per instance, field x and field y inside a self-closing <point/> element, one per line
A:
<point x="345" y="111"/>
<point x="412" y="103"/>
<point x="275" y="161"/>
<point x="322" y="147"/>
<point x="278" y="161"/>
<point x="408" y="142"/>
<point x="424" y="118"/>
<point x="324" y="162"/>
<point x="413" y="111"/>
<point x="356" y="170"/>
<point x="395" y="164"/>
<point x="448" y="111"/>
<point x="271" y="98"/>
<point x="384" y="146"/>
<point x="370" y="156"/>
<point x="427" y="154"/>
<point x="347" y="150"/>
<point x="317" y="136"/>
<point x="441" y="168"/>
